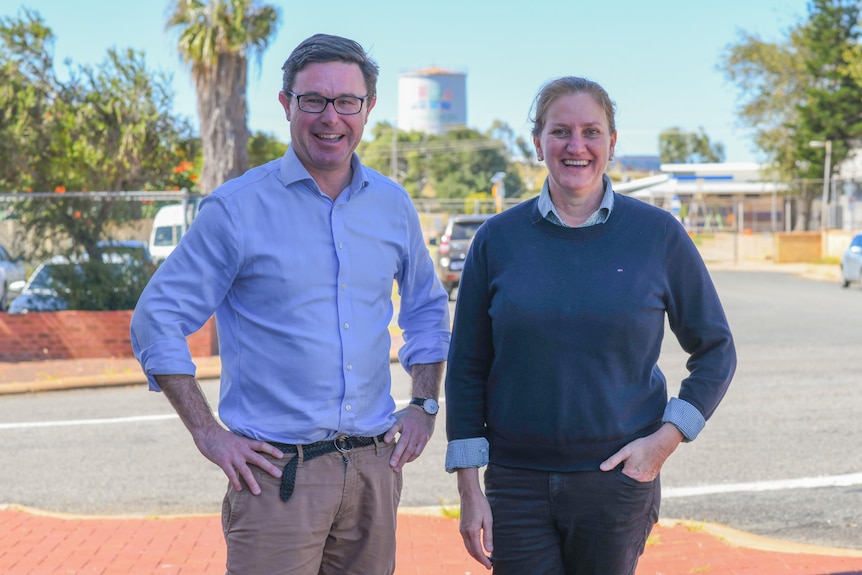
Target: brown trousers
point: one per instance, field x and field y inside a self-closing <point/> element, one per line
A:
<point x="339" y="520"/>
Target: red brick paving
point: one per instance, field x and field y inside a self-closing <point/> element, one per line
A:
<point x="33" y="543"/>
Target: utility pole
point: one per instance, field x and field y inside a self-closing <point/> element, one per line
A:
<point x="827" y="171"/>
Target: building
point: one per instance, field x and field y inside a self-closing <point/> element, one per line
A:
<point x="716" y="196"/>
<point x="650" y="164"/>
<point x="432" y="100"/>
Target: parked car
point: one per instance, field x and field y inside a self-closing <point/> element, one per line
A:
<point x="60" y="283"/>
<point x="851" y="262"/>
<point x="169" y="225"/>
<point x="11" y="271"/>
<point x="452" y="248"/>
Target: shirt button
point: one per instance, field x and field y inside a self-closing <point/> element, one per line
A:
<point x="346" y="325"/>
<point x="349" y="366"/>
<point x="348" y="407"/>
<point x="343" y="286"/>
<point x="340" y="245"/>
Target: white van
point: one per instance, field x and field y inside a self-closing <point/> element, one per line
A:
<point x="169" y="226"/>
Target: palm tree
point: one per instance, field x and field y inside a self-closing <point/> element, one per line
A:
<point x="216" y="39"/>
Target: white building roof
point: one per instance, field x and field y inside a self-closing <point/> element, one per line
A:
<point x="729" y="179"/>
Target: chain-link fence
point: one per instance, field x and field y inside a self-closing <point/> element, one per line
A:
<point x="144" y="204"/>
<point x="746" y="223"/>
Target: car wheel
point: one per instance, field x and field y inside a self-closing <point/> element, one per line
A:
<point x="844" y="281"/>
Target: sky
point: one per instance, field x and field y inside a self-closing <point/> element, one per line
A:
<point x="659" y="60"/>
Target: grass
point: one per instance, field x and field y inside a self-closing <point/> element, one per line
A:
<point x="452" y="512"/>
<point x="699" y="239"/>
<point x="827" y="261"/>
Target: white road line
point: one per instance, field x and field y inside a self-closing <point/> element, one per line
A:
<point x="114" y="420"/>
<point x="667" y="493"/>
<point x="778" y="485"/>
<point x="70" y="422"/>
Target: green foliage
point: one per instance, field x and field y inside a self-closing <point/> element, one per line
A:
<point x="806" y="87"/>
<point x="679" y="147"/>
<point x="263" y="147"/>
<point x="28" y="97"/>
<point x="216" y="38"/>
<point x="456" y="164"/>
<point x="106" y="128"/>
<point x="95" y="285"/>
<point x="830" y="108"/>
<point x="209" y="29"/>
<point x="516" y="145"/>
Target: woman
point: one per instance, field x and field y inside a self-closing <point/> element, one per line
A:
<point x="552" y="377"/>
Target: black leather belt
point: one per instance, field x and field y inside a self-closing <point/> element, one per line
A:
<point x="342" y="443"/>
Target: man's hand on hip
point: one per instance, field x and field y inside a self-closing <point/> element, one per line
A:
<point x="234" y="454"/>
<point x="229" y="451"/>
<point x="416" y="428"/>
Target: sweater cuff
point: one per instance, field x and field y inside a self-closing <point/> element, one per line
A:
<point x="685" y="417"/>
<point x="461" y="453"/>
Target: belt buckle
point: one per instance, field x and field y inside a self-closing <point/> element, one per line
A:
<point x="343" y="443"/>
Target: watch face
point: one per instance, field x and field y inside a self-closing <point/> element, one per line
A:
<point x="431" y="406"/>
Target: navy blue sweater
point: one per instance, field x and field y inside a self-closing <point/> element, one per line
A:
<point x="558" y="331"/>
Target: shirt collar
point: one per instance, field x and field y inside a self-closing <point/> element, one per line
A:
<point x="293" y="172"/>
<point x="600" y="216"/>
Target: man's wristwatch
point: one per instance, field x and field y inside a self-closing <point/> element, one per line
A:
<point x="429" y="404"/>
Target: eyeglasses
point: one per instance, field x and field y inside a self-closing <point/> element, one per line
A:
<point x="314" y="104"/>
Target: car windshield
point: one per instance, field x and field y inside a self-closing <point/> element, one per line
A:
<point x="50" y="273"/>
<point x="165" y="235"/>
<point x="465" y="230"/>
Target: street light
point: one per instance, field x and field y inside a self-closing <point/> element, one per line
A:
<point x="826" y="173"/>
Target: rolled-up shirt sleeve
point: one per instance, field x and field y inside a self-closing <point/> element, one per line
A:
<point x="463" y="453"/>
<point x="424" y="309"/>
<point x="685" y="417"/>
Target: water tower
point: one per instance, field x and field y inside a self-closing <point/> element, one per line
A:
<point x="432" y="100"/>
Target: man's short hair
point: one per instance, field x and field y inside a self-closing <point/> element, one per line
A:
<point x="327" y="48"/>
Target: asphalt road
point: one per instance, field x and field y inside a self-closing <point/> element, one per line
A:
<point x="782" y="457"/>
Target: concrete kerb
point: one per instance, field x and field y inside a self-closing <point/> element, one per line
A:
<point x="429" y="511"/>
<point x="739" y="538"/>
<point x="93" y="380"/>
<point x="205" y="370"/>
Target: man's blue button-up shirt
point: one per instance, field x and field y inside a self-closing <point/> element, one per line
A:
<point x="301" y="287"/>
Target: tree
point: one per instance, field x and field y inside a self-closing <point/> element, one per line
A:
<point x="108" y="128"/>
<point x="465" y="168"/>
<point x="28" y="97"/>
<point x="516" y="145"/>
<point x="216" y="39"/>
<point x="802" y="89"/>
<point x="410" y="156"/>
<point x="679" y="147"/>
<point x="457" y="164"/>
<point x="263" y="147"/>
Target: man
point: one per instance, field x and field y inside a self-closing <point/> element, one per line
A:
<point x="297" y="259"/>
